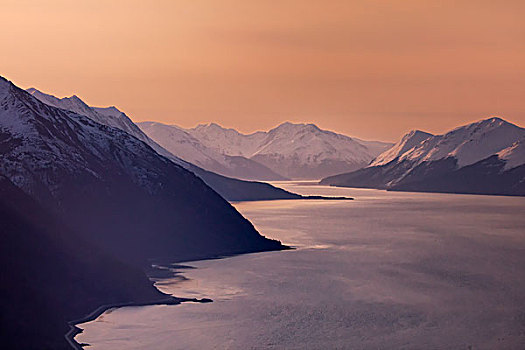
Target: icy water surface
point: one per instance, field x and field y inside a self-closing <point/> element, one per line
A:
<point x="389" y="270"/>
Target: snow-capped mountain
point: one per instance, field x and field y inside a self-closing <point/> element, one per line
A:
<point x="113" y="188"/>
<point x="293" y="150"/>
<point x="229" y="188"/>
<point x="467" y="144"/>
<point x="482" y="157"/>
<point x="179" y="141"/>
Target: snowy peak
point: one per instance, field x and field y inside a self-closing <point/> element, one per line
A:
<point x="467" y="144"/>
<point x="408" y="142"/>
<point x="470" y="143"/>
<point x="289" y="149"/>
<point x="293" y="128"/>
<point x="295" y="150"/>
<point x="485" y="157"/>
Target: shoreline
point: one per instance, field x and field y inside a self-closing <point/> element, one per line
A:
<point x="492" y="194"/>
<point x="169" y="300"/>
<point x="74" y="330"/>
<point x="303" y="197"/>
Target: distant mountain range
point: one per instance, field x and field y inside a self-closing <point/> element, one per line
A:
<point x="180" y="142"/>
<point x="486" y="157"/>
<point x="293" y="151"/>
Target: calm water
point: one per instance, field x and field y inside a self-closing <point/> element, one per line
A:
<point x="388" y="270"/>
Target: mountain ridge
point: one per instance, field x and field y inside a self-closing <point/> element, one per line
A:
<point x="229" y="188"/>
<point x="484" y="157"/>
<point x="178" y="141"/>
<point x="300" y="151"/>
<point x="115" y="188"/>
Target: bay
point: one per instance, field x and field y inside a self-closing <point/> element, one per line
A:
<point x="387" y="270"/>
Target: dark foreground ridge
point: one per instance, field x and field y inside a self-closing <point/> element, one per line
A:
<point x="50" y="275"/>
<point x="83" y="207"/>
<point x="114" y="189"/>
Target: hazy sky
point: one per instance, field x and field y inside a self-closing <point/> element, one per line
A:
<point x="372" y="69"/>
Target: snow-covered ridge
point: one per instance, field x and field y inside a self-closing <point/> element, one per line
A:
<point x="297" y="150"/>
<point x="178" y="141"/>
<point x="182" y="148"/>
<point x="226" y="140"/>
<point x="294" y="150"/>
<point x="467" y="144"/>
<point x="41" y="143"/>
<point x="407" y="143"/>
<point x="290" y="135"/>
<point x="514" y="155"/>
<point x="110" y="116"/>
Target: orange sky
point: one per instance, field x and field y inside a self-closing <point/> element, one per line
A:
<point x="372" y="69"/>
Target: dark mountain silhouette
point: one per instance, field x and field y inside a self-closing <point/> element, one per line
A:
<point x="50" y="276"/>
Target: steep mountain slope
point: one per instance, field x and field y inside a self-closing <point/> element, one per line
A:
<point x="293" y="150"/>
<point x="110" y="116"/>
<point x="116" y="190"/>
<point x="483" y="157"/>
<point x="514" y="155"/>
<point x="229" y="188"/>
<point x="50" y="276"/>
<point x="408" y="142"/>
<point x="180" y="142"/>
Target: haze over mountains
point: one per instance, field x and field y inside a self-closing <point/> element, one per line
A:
<point x="303" y="151"/>
<point x="295" y="151"/>
<point x="181" y="142"/>
<point x="299" y="151"/>
<point x="486" y="157"/>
